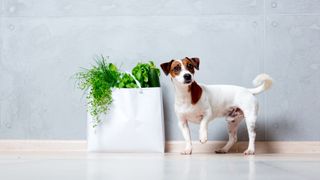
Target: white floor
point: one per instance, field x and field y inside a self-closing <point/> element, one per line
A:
<point x="92" y="166"/>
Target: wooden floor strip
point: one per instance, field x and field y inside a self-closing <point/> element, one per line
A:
<point x="171" y="146"/>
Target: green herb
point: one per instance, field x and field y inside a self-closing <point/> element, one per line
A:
<point x="99" y="81"/>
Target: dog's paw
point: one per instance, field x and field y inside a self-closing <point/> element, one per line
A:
<point x="220" y="151"/>
<point x="203" y="137"/>
<point x="186" y="152"/>
<point x="249" y="152"/>
<point x="203" y="140"/>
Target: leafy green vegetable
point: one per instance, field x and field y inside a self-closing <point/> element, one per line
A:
<point x="154" y="74"/>
<point x="147" y="74"/>
<point x="126" y="81"/>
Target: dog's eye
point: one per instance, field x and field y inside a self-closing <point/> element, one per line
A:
<point x="177" y="69"/>
<point x="190" y="66"/>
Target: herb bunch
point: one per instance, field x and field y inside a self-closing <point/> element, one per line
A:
<point x="98" y="83"/>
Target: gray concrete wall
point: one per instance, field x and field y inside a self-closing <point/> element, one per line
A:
<point x="43" y="43"/>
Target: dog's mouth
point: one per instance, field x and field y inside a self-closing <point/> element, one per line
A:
<point x="187" y="81"/>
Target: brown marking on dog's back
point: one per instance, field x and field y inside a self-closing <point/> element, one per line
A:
<point x="196" y="92"/>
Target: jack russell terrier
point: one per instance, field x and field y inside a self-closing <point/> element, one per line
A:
<point x="200" y="103"/>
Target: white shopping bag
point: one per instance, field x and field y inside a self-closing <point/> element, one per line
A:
<point x="133" y="124"/>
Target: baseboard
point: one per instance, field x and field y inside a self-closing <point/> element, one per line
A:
<point x="43" y="145"/>
<point x="262" y="147"/>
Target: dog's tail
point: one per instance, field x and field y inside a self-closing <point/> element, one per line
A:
<point x="262" y="83"/>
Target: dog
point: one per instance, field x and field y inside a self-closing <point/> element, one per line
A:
<point x="199" y="103"/>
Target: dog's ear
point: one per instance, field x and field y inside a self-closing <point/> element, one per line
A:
<point x="166" y="67"/>
<point x="196" y="62"/>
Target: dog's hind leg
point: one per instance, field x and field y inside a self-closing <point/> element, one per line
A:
<point x="251" y="117"/>
<point x="232" y="131"/>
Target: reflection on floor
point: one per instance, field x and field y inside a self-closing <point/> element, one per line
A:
<point x="92" y="166"/>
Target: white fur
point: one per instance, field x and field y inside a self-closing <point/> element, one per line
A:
<point x="262" y="83"/>
<point x="215" y="102"/>
<point x="183" y="71"/>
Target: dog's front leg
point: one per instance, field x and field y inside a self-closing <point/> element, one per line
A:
<point x="203" y="132"/>
<point x="184" y="127"/>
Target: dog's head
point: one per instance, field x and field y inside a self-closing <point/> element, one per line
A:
<point x="181" y="71"/>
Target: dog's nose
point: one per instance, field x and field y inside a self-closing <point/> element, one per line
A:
<point x="187" y="77"/>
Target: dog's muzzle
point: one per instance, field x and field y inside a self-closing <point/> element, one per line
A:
<point x="187" y="78"/>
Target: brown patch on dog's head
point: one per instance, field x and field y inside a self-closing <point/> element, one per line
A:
<point x="173" y="68"/>
<point x="196" y="92"/>
<point x="188" y="64"/>
<point x="191" y="63"/>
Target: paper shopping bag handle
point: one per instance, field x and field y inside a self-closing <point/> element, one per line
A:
<point x="137" y="82"/>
